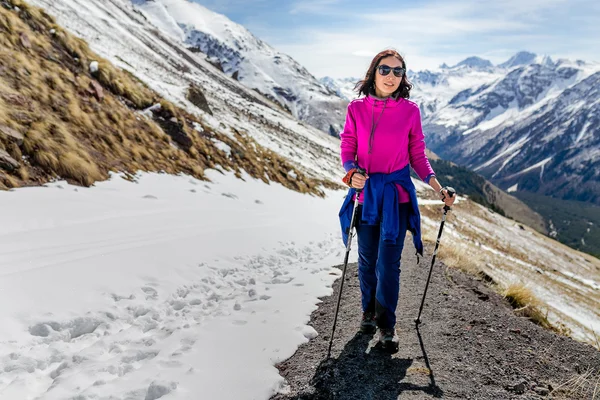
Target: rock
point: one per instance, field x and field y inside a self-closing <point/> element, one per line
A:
<point x="518" y="388"/>
<point x="197" y="98"/>
<point x="542" y="391"/>
<point x="97" y="90"/>
<point x="11" y="134"/>
<point x="215" y="62"/>
<point x="176" y="131"/>
<point x="7" y="162"/>
<point x="25" y="41"/>
<point x="480" y="294"/>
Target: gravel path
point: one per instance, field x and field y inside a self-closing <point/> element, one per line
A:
<point x="469" y="346"/>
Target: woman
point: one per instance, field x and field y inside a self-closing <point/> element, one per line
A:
<point x="383" y="136"/>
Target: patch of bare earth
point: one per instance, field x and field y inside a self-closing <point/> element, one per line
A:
<point x="471" y="345"/>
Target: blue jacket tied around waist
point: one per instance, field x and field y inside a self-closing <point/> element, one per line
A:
<point x="380" y="205"/>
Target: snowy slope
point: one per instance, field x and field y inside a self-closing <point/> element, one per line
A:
<point x="343" y="87"/>
<point x="248" y="59"/>
<point x="172" y="284"/>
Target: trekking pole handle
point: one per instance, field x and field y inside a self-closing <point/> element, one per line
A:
<point x="451" y="193"/>
<point x="450" y="190"/>
<point x="363" y="172"/>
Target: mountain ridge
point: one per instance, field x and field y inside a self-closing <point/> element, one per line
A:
<point x="248" y="59"/>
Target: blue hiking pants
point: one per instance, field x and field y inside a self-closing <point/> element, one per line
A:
<point x="379" y="268"/>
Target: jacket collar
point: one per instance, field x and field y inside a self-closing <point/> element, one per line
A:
<point x="378" y="101"/>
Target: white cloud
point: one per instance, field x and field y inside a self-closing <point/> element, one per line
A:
<point x="313" y="6"/>
<point x="363" y="53"/>
<point x="428" y="34"/>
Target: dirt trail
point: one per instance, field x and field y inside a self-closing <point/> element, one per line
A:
<point x="470" y="340"/>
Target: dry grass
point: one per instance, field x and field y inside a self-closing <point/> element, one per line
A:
<point x="526" y="304"/>
<point x="585" y="385"/>
<point x="72" y="132"/>
<point x="457" y="256"/>
<point x="454" y="253"/>
<point x="596" y="339"/>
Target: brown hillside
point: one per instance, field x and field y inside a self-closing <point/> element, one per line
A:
<point x="61" y="117"/>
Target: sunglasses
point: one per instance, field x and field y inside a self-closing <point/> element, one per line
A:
<point x="386" y="69"/>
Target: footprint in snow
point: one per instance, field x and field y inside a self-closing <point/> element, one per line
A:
<point x="157" y="390"/>
<point x="149" y="196"/>
<point x="118" y="298"/>
<point x="281" y="280"/>
<point x="151" y="293"/>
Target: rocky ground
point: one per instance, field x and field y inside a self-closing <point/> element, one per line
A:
<point x="469" y="346"/>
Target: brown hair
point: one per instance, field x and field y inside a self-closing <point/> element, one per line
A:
<point x="367" y="85"/>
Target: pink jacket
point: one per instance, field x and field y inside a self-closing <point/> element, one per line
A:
<point x="396" y="141"/>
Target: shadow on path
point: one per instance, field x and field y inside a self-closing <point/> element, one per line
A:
<point x="364" y="371"/>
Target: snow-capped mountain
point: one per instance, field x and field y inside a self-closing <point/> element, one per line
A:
<point x="521" y="58"/>
<point x="251" y="61"/>
<point x="343" y="87"/>
<point x="535" y="128"/>
<point x="476" y="63"/>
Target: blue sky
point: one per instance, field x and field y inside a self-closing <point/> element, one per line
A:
<point x="339" y="37"/>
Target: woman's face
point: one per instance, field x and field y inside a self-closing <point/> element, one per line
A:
<point x="386" y="85"/>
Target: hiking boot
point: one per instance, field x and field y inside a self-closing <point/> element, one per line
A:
<point x="389" y="339"/>
<point x="368" y="323"/>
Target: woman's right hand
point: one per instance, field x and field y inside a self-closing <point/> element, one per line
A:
<point x="358" y="180"/>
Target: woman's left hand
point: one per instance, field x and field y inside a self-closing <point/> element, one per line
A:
<point x="445" y="197"/>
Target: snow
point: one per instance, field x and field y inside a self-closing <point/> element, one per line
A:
<point x="162" y="19"/>
<point x="453" y="82"/>
<point x="583" y="131"/>
<point x="344" y="87"/>
<point x="496" y="117"/>
<point x="511" y="150"/>
<point x="222" y="146"/>
<point x="513" y="188"/>
<point x="187" y="284"/>
<point x="94" y="67"/>
<point x="588" y="282"/>
<point x="532" y="167"/>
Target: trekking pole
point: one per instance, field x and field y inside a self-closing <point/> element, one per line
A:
<point x="451" y="193"/>
<point x="352" y="221"/>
